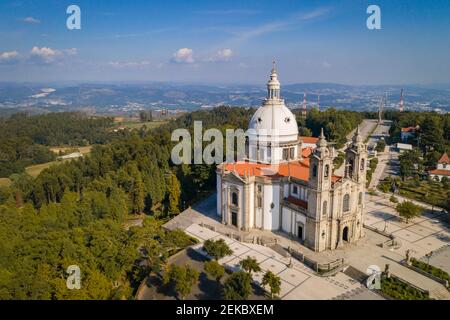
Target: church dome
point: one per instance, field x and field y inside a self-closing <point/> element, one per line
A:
<point x="273" y="121"/>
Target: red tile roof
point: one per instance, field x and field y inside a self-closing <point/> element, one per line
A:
<point x="309" y="139"/>
<point x="298" y="169"/>
<point x="409" y="129"/>
<point x="298" y="202"/>
<point x="444" y="159"/>
<point x="440" y="172"/>
<point x="306" y="152"/>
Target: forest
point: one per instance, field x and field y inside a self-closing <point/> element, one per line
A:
<point x="433" y="138"/>
<point x="24" y="139"/>
<point x="77" y="212"/>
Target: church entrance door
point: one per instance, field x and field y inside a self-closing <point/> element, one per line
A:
<point x="345" y="234"/>
<point x="234" y="218"/>
<point x="300" y="232"/>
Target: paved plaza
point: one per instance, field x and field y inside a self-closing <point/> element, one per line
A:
<point x="421" y="235"/>
<point x="298" y="282"/>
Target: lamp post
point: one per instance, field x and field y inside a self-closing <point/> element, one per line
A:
<point x="428" y="255"/>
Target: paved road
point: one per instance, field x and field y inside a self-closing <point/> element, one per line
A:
<point x="365" y="128"/>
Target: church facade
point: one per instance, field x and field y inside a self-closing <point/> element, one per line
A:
<point x="283" y="186"/>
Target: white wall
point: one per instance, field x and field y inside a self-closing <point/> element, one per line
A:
<point x="219" y="195"/>
<point x="227" y="185"/>
<point x="286" y="220"/>
<point x="251" y="206"/>
<point x="271" y="218"/>
<point x="290" y="219"/>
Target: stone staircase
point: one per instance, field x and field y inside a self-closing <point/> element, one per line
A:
<point x="440" y="293"/>
<point x="355" y="274"/>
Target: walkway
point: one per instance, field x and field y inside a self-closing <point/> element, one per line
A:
<point x="298" y="282"/>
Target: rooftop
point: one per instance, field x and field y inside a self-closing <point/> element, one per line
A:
<point x="309" y="139"/>
<point x="444" y="159"/>
<point x="440" y="172"/>
<point x="298" y="169"/>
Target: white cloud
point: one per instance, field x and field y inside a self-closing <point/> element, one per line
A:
<point x="49" y="55"/>
<point x="71" y="51"/>
<point x="222" y="55"/>
<point x="184" y="55"/>
<point x="326" y="64"/>
<point x="293" y="21"/>
<point x="129" y="64"/>
<point x="31" y="20"/>
<point x="8" y="57"/>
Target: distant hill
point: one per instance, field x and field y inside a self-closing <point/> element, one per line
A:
<point x="127" y="98"/>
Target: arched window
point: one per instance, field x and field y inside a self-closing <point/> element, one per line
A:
<point x="346" y="204"/>
<point x="350" y="168"/>
<point x="314" y="170"/>
<point x="324" y="209"/>
<point x="360" y="198"/>
<point x="362" y="164"/>
<point x="234" y="198"/>
<point x="327" y="171"/>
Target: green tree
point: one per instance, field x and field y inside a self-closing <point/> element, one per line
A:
<point x="217" y="249"/>
<point x="250" y="265"/>
<point x="238" y="286"/>
<point x="183" y="278"/>
<point x="431" y="134"/>
<point x="410" y="163"/>
<point x="408" y="210"/>
<point x="381" y="144"/>
<point x="173" y="194"/>
<point x="214" y="270"/>
<point x="274" y="283"/>
<point x="136" y="190"/>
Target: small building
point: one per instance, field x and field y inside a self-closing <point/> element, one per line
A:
<point x="442" y="169"/>
<point x="402" y="147"/>
<point x="408" y="133"/>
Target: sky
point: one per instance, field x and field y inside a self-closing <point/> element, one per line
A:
<point x="226" y="42"/>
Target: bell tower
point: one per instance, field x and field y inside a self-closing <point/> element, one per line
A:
<point x="319" y="194"/>
<point x="356" y="159"/>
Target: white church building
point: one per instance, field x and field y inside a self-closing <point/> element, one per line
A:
<point x="282" y="186"/>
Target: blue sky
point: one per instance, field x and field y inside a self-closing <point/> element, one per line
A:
<point x="226" y="41"/>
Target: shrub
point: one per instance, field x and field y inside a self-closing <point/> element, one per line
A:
<point x="401" y="291"/>
<point x="217" y="249"/>
<point x="238" y="286"/>
<point x="393" y="199"/>
<point x="437" y="272"/>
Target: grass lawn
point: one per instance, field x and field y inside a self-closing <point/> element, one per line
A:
<point x="82" y="150"/>
<point x="35" y="170"/>
<point x="5" y="182"/>
<point x="430" y="192"/>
